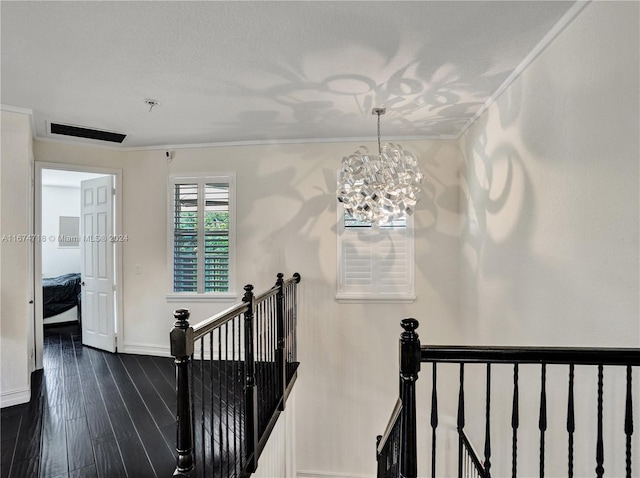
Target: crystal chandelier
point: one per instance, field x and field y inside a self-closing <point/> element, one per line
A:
<point x="379" y="188"/>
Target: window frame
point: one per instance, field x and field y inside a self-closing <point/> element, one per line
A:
<point x="201" y="179"/>
<point x="346" y="294"/>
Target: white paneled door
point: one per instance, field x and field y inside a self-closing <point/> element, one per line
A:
<point x="98" y="284"/>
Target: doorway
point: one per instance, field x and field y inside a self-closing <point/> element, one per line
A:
<point x="77" y="264"/>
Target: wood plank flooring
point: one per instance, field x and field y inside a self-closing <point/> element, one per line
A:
<point x="92" y="414"/>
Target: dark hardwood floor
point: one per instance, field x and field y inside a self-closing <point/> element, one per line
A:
<point x="92" y="414"/>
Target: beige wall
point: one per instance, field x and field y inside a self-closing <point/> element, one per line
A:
<point x="15" y="324"/>
<point x="545" y="252"/>
<point x="551" y="241"/>
<point x="286" y="211"/>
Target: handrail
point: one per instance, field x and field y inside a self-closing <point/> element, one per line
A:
<point x="397" y="409"/>
<point x="294" y="278"/>
<point x="274" y="290"/>
<point x="203" y="328"/>
<point x="266" y="294"/>
<point x="532" y="355"/>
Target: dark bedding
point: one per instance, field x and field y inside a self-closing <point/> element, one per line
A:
<point x="61" y="294"/>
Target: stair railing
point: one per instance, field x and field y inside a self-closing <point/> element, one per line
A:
<point x="388" y="446"/>
<point x="234" y="372"/>
<point x="398" y="458"/>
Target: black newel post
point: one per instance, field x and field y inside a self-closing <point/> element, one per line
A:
<point x="181" y="337"/>
<point x="280" y="355"/>
<point x="251" y="393"/>
<point x="409" y="368"/>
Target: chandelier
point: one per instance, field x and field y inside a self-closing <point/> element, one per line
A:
<point x="379" y="188"/>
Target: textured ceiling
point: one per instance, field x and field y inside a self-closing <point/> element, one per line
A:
<point x="265" y="71"/>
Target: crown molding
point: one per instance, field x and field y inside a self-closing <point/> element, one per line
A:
<point x="551" y="35"/>
<point x="228" y="144"/>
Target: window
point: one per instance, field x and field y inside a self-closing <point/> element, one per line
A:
<point x="375" y="263"/>
<point x="202" y="237"/>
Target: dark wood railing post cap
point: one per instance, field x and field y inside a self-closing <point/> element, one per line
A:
<point x="181" y="336"/>
<point x="297" y="277"/>
<point x="409" y="349"/>
<point x="409" y="325"/>
<point x="248" y="292"/>
<point x="181" y="316"/>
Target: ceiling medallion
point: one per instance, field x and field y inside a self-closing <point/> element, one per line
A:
<point x="379" y="188"/>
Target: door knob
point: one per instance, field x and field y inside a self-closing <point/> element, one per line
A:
<point x="82" y="283"/>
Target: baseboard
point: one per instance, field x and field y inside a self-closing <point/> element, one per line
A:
<point x="145" y="349"/>
<point x="328" y="474"/>
<point x="159" y="351"/>
<point x="15" y="397"/>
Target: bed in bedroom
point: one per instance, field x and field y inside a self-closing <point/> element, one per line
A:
<point x="61" y="298"/>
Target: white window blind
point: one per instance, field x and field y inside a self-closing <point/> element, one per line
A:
<point x="202" y="236"/>
<point x="375" y="263"/>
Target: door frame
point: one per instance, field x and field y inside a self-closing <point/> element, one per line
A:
<point x="37" y="251"/>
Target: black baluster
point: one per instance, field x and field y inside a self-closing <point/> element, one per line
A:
<point x="181" y="338"/>
<point x="487" y="432"/>
<point x="628" y="420"/>
<point x="192" y="399"/>
<point x="379" y="474"/>
<point x="515" y="423"/>
<point x="234" y="375"/>
<point x="460" y="420"/>
<point x="600" y="444"/>
<point x="434" y="420"/>
<point x="409" y="369"/>
<point x="211" y="359"/>
<point x="251" y="397"/>
<point x="203" y="462"/>
<point x="571" y="422"/>
<point x="220" y="414"/>
<point x="294" y="315"/>
<point x="542" y="420"/>
<point x="280" y="352"/>
<point x="226" y="387"/>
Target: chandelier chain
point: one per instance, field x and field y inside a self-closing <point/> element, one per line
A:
<point x="379" y="146"/>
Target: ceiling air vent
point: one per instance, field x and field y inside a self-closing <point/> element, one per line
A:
<point x="78" y="132"/>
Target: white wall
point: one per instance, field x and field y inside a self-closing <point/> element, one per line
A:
<point x="278" y="459"/>
<point x="286" y="211"/>
<point x="550" y="250"/>
<point x="58" y="201"/>
<point x="15" y="313"/>
<point x="549" y="253"/>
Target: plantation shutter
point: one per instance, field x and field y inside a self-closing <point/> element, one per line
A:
<point x="185" y="238"/>
<point x="216" y="238"/>
<point x="201" y="236"/>
<point x="393" y="261"/>
<point x="375" y="262"/>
